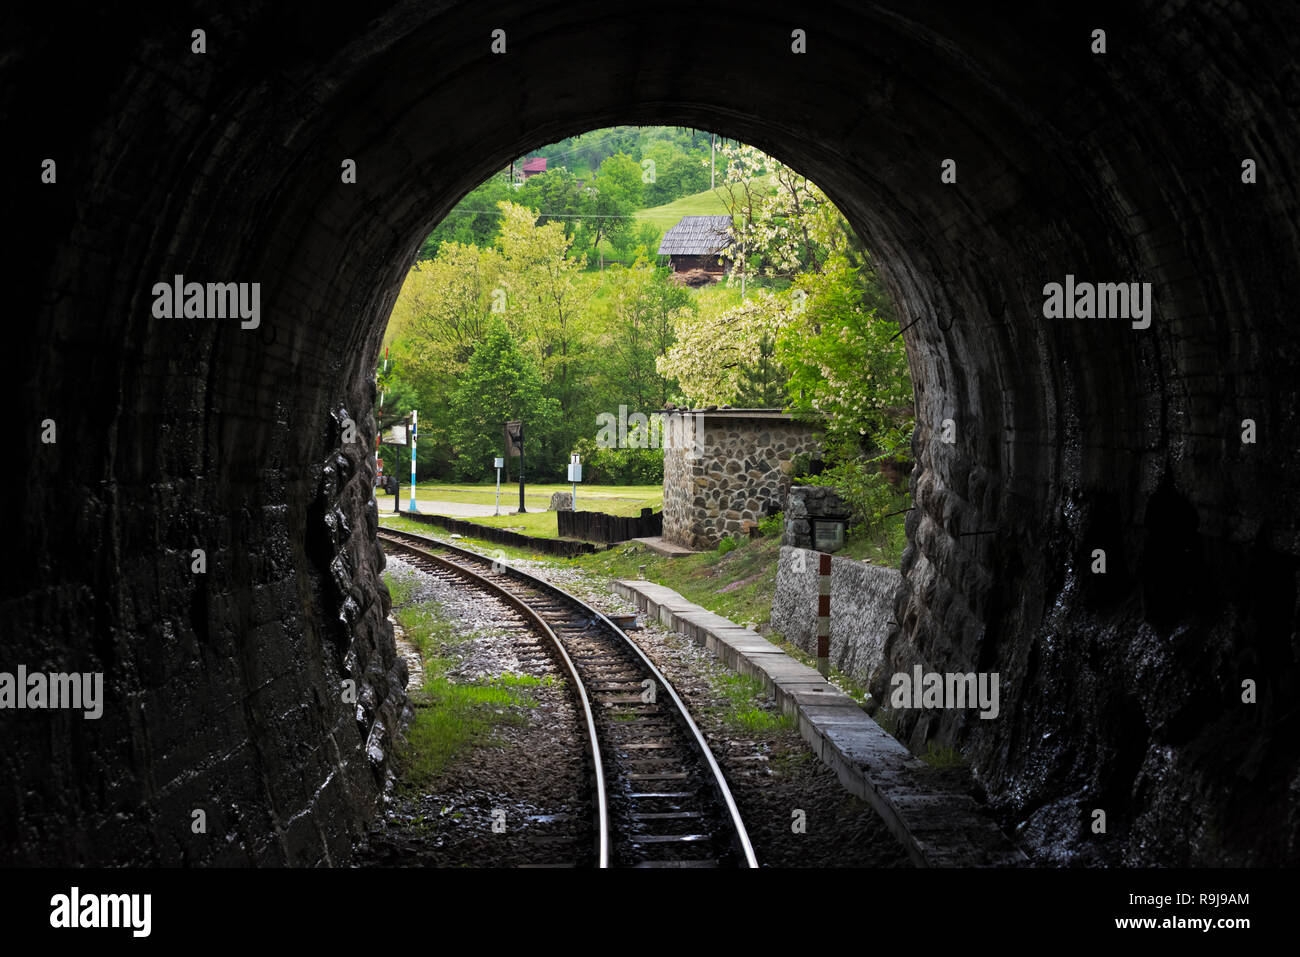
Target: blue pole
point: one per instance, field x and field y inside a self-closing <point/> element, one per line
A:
<point x="413" y="430"/>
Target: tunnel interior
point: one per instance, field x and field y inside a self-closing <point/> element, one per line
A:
<point x="226" y="690"/>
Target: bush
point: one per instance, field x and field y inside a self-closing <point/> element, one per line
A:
<point x="606" y="466"/>
<point x="864" y="489"/>
<point x="772" y="525"/>
<point x="804" y="465"/>
<point x="728" y="544"/>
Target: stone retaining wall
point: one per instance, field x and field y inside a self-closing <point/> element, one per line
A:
<point x="862" y="606"/>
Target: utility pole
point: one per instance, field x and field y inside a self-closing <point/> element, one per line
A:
<point x="744" y="268"/>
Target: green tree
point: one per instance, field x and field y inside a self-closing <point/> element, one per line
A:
<point x="548" y="308"/>
<point x="395" y="401"/>
<point x="642" y="309"/>
<point x="439" y="318"/>
<point x="686" y="173"/>
<point x="846" y="362"/>
<point x="716" y="347"/>
<point x="610" y="203"/>
<point x="661" y="189"/>
<point x="473" y="221"/>
<point x="782" y="223"/>
<point x="500" y="383"/>
<point x="760" y="383"/>
<point x="556" y="196"/>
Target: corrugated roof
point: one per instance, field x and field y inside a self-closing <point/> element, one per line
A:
<point x="697" y="236"/>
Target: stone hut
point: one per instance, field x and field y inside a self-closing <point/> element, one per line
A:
<point x="725" y="468"/>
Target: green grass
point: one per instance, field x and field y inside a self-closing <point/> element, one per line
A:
<point x="701" y="578"/>
<point x="850" y="686"/>
<point x="738" y="585"/>
<point x="743" y="711"/>
<point x="612" y="499"/>
<point x="536" y="524"/>
<point x="883" y="544"/>
<point x="537" y="521"/>
<point x="400" y="589"/>
<point x="423" y="622"/>
<point x="704" y="203"/>
<point x="454" y="716"/>
<point x="450" y="716"/>
<point x="491" y="549"/>
<point x="942" y="759"/>
<point x="734" y="581"/>
<point x="707" y="202"/>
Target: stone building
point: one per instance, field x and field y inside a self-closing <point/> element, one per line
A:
<point x="724" y="468"/>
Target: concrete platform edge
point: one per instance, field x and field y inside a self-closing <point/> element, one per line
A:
<point x="936" y="829"/>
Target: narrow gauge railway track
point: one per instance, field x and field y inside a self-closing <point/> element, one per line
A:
<point x="660" y="797"/>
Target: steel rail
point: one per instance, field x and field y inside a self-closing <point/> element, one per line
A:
<point x="740" y="835"/>
<point x="593" y="743"/>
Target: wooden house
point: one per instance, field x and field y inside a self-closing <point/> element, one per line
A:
<point x="694" y="248"/>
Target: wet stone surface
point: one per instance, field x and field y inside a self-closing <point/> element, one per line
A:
<point x="516" y="797"/>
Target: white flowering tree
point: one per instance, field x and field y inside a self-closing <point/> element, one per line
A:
<point x="782" y="223"/>
<point x="716" y="346"/>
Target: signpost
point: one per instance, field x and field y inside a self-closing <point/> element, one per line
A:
<point x="399" y="433"/>
<point x="515" y="446"/>
<point x="827" y="536"/>
<point x="498" y="462"/>
<point x="575" y="476"/>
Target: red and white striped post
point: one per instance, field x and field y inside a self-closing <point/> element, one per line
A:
<point x="824" y="615"/>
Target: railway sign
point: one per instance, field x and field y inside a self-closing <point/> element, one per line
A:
<point x="828" y="534"/>
<point x="398" y="433"/>
<point x="575" y="476"/>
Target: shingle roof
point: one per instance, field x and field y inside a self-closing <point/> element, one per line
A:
<point x="697" y="236"/>
<point x="535" y="165"/>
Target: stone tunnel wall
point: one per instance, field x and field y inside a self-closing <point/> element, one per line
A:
<point x="730" y="476"/>
<point x="1121" y="691"/>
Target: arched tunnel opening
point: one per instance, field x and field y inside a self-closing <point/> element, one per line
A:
<point x="1040" y="436"/>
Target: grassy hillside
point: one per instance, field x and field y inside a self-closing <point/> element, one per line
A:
<point x="707" y="202"/>
<point x="664" y="218"/>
